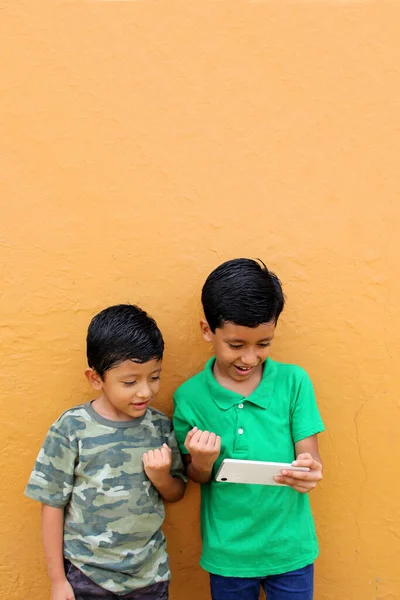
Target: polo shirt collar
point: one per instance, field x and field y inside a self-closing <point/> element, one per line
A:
<point x="225" y="399"/>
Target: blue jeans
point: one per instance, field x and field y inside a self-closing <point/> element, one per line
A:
<point x="295" y="585"/>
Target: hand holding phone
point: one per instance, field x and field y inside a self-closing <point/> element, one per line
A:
<point x="255" y="471"/>
<point x="302" y="482"/>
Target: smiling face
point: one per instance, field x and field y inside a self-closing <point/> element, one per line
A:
<point x="126" y="390"/>
<point x="239" y="351"/>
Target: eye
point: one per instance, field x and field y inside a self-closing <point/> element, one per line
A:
<point x="235" y="346"/>
<point x="129" y="383"/>
<point x="265" y="345"/>
<point x="155" y="378"/>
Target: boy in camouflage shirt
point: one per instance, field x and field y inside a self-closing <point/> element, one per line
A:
<point x="105" y="468"/>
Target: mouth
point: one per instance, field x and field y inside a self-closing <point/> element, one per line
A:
<point x="242" y="371"/>
<point x="140" y="405"/>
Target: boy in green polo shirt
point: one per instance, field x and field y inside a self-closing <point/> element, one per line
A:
<point x="245" y="405"/>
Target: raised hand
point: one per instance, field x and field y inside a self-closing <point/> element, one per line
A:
<point x="204" y="448"/>
<point x="157" y="464"/>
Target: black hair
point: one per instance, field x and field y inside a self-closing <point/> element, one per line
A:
<point x="119" y="333"/>
<point x="244" y="292"/>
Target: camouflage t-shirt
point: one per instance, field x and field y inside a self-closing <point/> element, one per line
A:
<point x="92" y="467"/>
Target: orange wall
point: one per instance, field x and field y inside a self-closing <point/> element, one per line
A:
<point x="146" y="142"/>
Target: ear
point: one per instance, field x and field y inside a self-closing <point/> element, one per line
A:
<point x="206" y="331"/>
<point x="94" y="379"/>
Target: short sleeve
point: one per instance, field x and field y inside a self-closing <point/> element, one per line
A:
<point x="181" y="425"/>
<point x="177" y="467"/>
<point x="305" y="417"/>
<point x="52" y="478"/>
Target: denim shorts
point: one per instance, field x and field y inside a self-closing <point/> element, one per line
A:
<point x="86" y="589"/>
<point x="295" y="585"/>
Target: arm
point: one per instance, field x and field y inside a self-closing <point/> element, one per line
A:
<point x="53" y="538"/>
<point x="197" y="475"/>
<point x="204" y="448"/>
<point x="308" y="446"/>
<point x="157" y="466"/>
<point x="307" y="455"/>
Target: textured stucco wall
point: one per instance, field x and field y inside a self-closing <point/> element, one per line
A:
<point x="145" y="142"/>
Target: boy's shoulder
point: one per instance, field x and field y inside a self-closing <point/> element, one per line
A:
<point x="73" y="419"/>
<point x="80" y="416"/>
<point x="78" y="422"/>
<point x="157" y="420"/>
<point x="288" y="369"/>
<point x="192" y="384"/>
<point x="279" y="369"/>
<point x="287" y="374"/>
<point x="156" y="415"/>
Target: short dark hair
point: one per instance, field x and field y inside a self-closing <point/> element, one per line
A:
<point x="244" y="292"/>
<point x="119" y="333"/>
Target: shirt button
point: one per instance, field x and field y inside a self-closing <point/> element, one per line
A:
<point x="240" y="405"/>
<point x="240" y="431"/>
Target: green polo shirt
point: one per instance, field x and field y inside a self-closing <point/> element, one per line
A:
<point x="253" y="530"/>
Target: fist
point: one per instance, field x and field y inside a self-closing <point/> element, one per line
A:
<point x="157" y="463"/>
<point x="204" y="448"/>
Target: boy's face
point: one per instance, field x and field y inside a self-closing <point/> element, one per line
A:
<point x="239" y="350"/>
<point x="127" y="389"/>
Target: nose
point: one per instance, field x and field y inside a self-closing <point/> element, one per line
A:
<point x="144" y="391"/>
<point x="249" y="358"/>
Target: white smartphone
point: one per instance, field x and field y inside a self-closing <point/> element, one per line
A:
<point x="258" y="472"/>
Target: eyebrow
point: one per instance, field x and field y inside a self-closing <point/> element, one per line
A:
<point x="125" y="375"/>
<point x="237" y="340"/>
